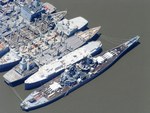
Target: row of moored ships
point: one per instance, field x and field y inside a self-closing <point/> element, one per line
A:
<point x="42" y="48"/>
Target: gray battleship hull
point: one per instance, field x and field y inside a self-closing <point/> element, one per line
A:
<point x="98" y="73"/>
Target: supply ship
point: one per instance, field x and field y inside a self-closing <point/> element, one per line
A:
<point x="75" y="76"/>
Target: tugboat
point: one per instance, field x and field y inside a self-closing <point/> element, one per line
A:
<point x="75" y="76"/>
<point x="21" y="72"/>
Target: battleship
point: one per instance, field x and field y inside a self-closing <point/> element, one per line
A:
<point x="13" y="77"/>
<point x="54" y="68"/>
<point x="75" y="76"/>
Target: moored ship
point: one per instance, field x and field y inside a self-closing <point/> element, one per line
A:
<point x="21" y="72"/>
<point x="14" y="77"/>
<point x="54" y="68"/>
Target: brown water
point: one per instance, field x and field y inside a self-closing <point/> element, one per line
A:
<point x="124" y="88"/>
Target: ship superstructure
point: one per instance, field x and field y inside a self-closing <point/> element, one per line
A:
<point x="19" y="73"/>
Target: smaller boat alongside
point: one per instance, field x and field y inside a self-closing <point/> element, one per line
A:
<point x="58" y="16"/>
<point x="21" y="72"/>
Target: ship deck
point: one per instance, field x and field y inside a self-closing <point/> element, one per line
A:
<point x="12" y="76"/>
<point x="46" y="87"/>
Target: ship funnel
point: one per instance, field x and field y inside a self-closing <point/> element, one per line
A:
<point x="28" y="64"/>
<point x="23" y="64"/>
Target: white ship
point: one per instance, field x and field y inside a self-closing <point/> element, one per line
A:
<point x="51" y="70"/>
